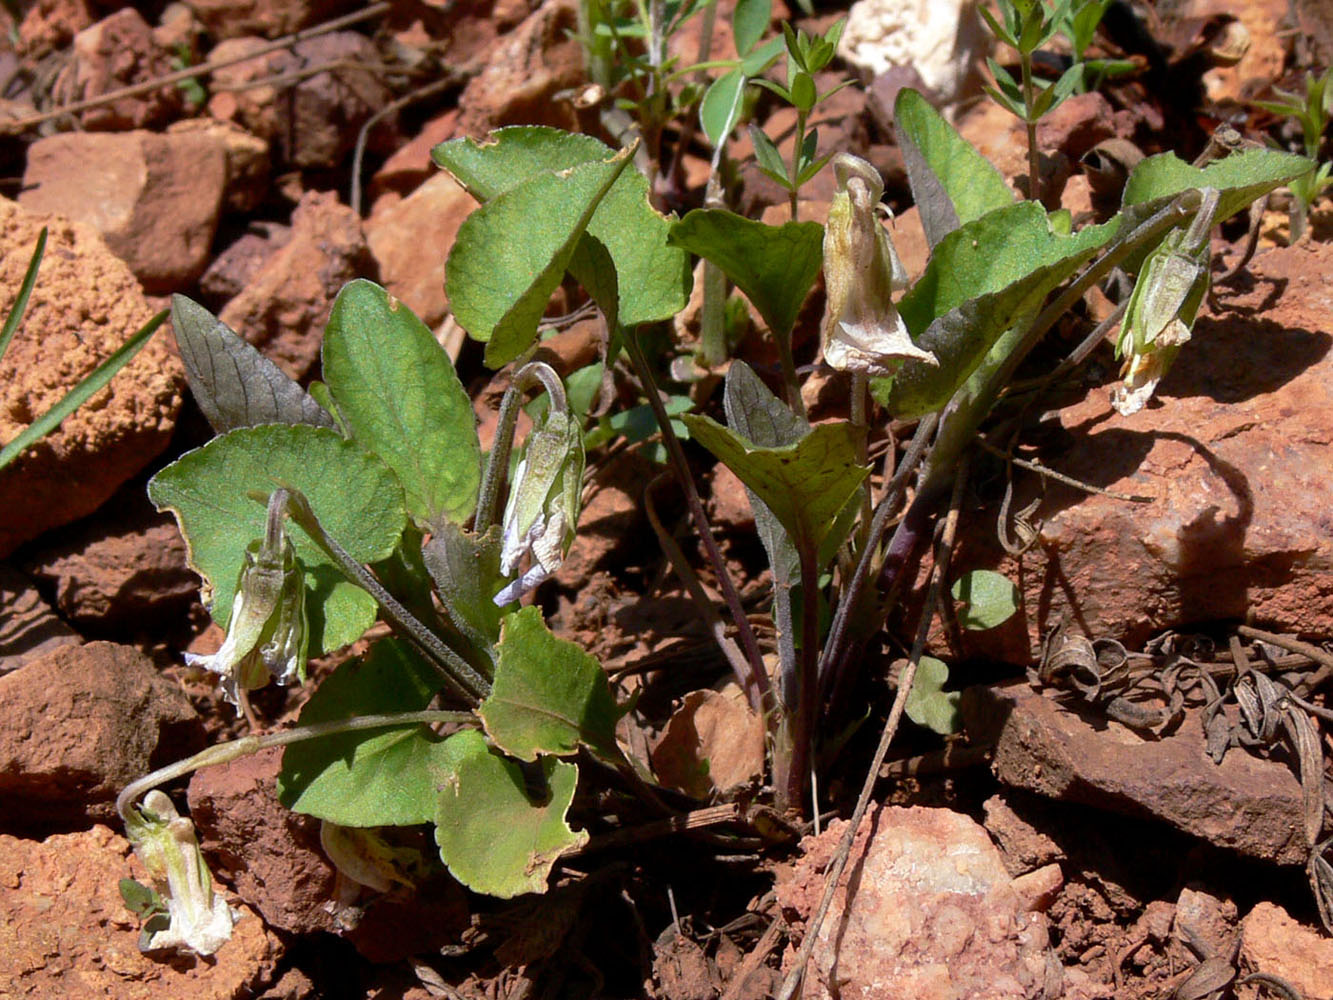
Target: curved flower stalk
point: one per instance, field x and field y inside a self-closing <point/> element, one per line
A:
<point x="862" y="330"/>
<point x="267" y="635"/>
<point x="164" y="840"/>
<point x="1162" y="308"/>
<point x="542" y="513"/>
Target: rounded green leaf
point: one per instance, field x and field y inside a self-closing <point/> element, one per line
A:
<point x="493" y="835"/>
<point x="401" y="398"/>
<point x="928" y="704"/>
<point x="549" y="696"/>
<point x="721" y="106"/>
<point x="376" y="777"/>
<point x="985" y="598"/>
<point x="749" y="22"/>
<point x="354" y="495"/>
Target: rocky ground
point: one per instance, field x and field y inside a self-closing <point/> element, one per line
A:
<point x="1052" y="848"/>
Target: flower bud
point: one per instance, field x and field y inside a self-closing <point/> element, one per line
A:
<point x="198" y="920"/>
<point x="542" y="512"/>
<point x="862" y="329"/>
<point x="266" y="635"/>
<point x="1159" y="319"/>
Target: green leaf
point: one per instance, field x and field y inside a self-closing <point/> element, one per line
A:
<point x="981" y="278"/>
<point x="928" y="704"/>
<point x="375" y="777"/>
<point x="806" y="485"/>
<point x="654" y="279"/>
<point x="235" y="385"/>
<point x="767" y="156"/>
<point x="402" y="400"/>
<point x="354" y="494"/>
<point x="761" y="58"/>
<point x="775" y="266"/>
<point x="802" y="91"/>
<point x="721" y="106"/>
<point x="1240" y="177"/>
<point x="466" y="570"/>
<point x="549" y="696"/>
<point x="749" y="22"/>
<point x="494" y="836"/>
<point x="512" y="252"/>
<point x="20" y="305"/>
<point x="987" y="598"/>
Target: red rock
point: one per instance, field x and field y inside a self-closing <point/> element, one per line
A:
<point x="933" y="915"/>
<point x="84" y="306"/>
<point x="268" y="854"/>
<point x="48" y="25"/>
<point x="231" y="94"/>
<point x="411" y="165"/>
<point x="68" y="934"/>
<point x="119" y="51"/>
<point x="728" y="503"/>
<point x="517" y="84"/>
<point x="226" y="19"/>
<point x="240" y="263"/>
<point x="247" y="159"/>
<point x="122" y="568"/>
<point x="1273" y="942"/>
<point x="1024" y="847"/>
<point x="154" y="198"/>
<point x="1246" y="804"/>
<point x="328" y="109"/>
<point x="284" y="308"/>
<point x="411" y="240"/>
<point x="1234" y="454"/>
<point x="29" y="628"/>
<point x="79" y="724"/>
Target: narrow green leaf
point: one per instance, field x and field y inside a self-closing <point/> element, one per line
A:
<point x="512" y="252"/>
<point x="928" y="704"/>
<point x="355" y="496"/>
<point x="721" y="106"/>
<point x="749" y="22"/>
<point x="549" y="696"/>
<point x="802" y="91"/>
<point x="494" y="836"/>
<point x="987" y="598"/>
<point x="81" y="393"/>
<point x="654" y="279"/>
<point x="20" y="305"/>
<point x="767" y="156"/>
<point x="402" y="400"/>
<point x="761" y="58"/>
<point x="805" y="485"/>
<point x="377" y="777"/>
<point x="235" y="385"/>
<point x="775" y="266"/>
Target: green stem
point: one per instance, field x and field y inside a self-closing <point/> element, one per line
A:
<point x="796" y="162"/>
<point x="755" y="682"/>
<point x="1029" y="100"/>
<point x="497" y="462"/>
<point x="456" y="671"/>
<point x="224" y="753"/>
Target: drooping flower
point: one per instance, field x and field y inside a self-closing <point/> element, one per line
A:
<point x="542" y="512"/>
<point x="862" y="330"/>
<point x="266" y="634"/>
<point x="1162" y="308"/>
<point x="198" y="920"/>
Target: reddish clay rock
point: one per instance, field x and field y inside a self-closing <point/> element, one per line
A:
<point x="48" y="25"/>
<point x="124" y="567"/>
<point x="267" y="853"/>
<point x="232" y="94"/>
<point x="67" y="933"/>
<point x="411" y="165"/>
<point x="1272" y="942"/>
<point x="517" y="85"/>
<point x="284" y="309"/>
<point x="118" y="51"/>
<point x="84" y="306"/>
<point x="1246" y="804"/>
<point x="933" y="914"/>
<point x="247" y="159"/>
<point x="29" y="628"/>
<point x="78" y="725"/>
<point x="270" y="18"/>
<point x="154" y="198"/>
<point x="1234" y="454"/>
<point x="238" y="265"/>
<point x="411" y="240"/>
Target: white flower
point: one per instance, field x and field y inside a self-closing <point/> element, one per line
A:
<point x="862" y="329"/>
